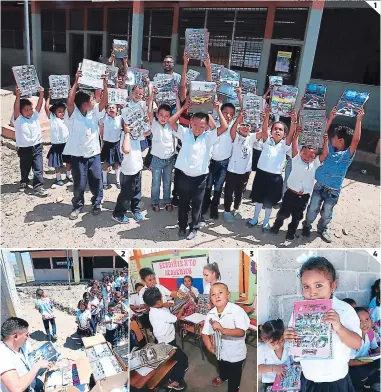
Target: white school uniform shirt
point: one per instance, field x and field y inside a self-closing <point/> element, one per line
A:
<point x="132" y="162"/>
<point x="163" y="290"/>
<point x="258" y="143"/>
<point x="330" y="370"/>
<point x="163" y="141"/>
<point x="273" y="156"/>
<point x="110" y="326"/>
<point x="83" y="140"/>
<point x="112" y="128"/>
<point x="28" y="130"/>
<point x="242" y="156"/>
<point x="185" y="289"/>
<point x="59" y="131"/>
<point x="222" y="149"/>
<point x="233" y="349"/>
<point x="365" y="347"/>
<point x="302" y="176"/>
<point x="162" y="321"/>
<point x="13" y="360"/>
<point x="95" y="302"/>
<point x="207" y="286"/>
<point x="194" y="156"/>
<point x="267" y="356"/>
<point x="135" y="301"/>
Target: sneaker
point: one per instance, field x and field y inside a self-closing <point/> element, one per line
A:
<point x="192" y="235"/>
<point x="96" y="210"/>
<point x="175" y="201"/>
<point x="49" y="337"/>
<point x="54" y="337"/>
<point x="156" y="207"/>
<point x="40" y="192"/>
<point x="266" y="227"/>
<point x="120" y="219"/>
<point x="106" y="186"/>
<point x="290" y="235"/>
<point x="137" y="216"/>
<point x="228" y="217"/>
<point x="59" y="183"/>
<point x="214" y="213"/>
<point x="306" y="232"/>
<point x="74" y="214"/>
<point x="237" y="214"/>
<point x="326" y="235"/>
<point x="23" y="187"/>
<point x="182" y="233"/>
<point x="118" y="185"/>
<point x="169" y="207"/>
<point x="274" y="230"/>
<point x="216" y="382"/>
<point x="252" y="222"/>
<point x="175" y="387"/>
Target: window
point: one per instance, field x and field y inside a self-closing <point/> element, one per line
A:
<point x="235" y="35"/>
<point x="12" y="28"/>
<point x="95" y="19"/>
<point x="77" y="19"/>
<point x="290" y="23"/>
<point x="157" y="34"/>
<point x="41" y="263"/>
<point x="53" y="30"/>
<point x="348" y="54"/>
<point x="119" y="26"/>
<point x="59" y="262"/>
<point x="103" y="261"/>
<point x="120" y="262"/>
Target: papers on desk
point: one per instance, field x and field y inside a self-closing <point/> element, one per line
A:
<point x="143" y="371"/>
<point x="195" y="318"/>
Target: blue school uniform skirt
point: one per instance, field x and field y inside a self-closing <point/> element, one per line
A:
<point x="343" y="385"/>
<point x="55" y="157"/>
<point x="111" y="153"/>
<point x="267" y="188"/>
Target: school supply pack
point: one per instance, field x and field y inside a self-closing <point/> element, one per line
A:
<point x="117" y="96"/>
<point x="229" y="82"/>
<point x="136" y="77"/>
<point x="253" y="106"/>
<point x="135" y="118"/>
<point x="59" y="379"/>
<point x="112" y="76"/>
<point x="216" y="71"/>
<point x="151" y="356"/>
<point x="165" y="85"/>
<point x="283" y="100"/>
<point x="196" y="43"/>
<point x="313" y="124"/>
<point x="60" y="85"/>
<point x="249" y="85"/>
<point x="275" y="81"/>
<point x="192" y="75"/>
<point x="120" y="48"/>
<point x="202" y="95"/>
<point x="351" y="102"/>
<point x="216" y="341"/>
<point x="92" y="72"/>
<point x="314" y="96"/>
<point x="46" y="352"/>
<point x="315" y="335"/>
<point x="26" y="79"/>
<point x="289" y="381"/>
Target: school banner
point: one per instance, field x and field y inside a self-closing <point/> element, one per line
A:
<point x="170" y="273"/>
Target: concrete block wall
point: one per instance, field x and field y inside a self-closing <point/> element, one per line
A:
<point x="279" y="285"/>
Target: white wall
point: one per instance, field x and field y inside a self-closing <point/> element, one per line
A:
<point x="45" y="275"/>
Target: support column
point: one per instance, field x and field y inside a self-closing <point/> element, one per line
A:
<point x="74" y="253"/>
<point x="137" y="33"/>
<point x="36" y="37"/>
<point x="175" y="32"/>
<point x="307" y="57"/>
<point x="265" y="55"/>
<point x="20" y="266"/>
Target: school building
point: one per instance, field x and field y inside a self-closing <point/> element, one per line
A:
<point x="332" y="42"/>
<point x="51" y="265"/>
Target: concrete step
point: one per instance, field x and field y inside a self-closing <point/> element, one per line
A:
<point x="8" y="132"/>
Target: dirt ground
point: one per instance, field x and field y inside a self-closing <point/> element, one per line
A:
<point x="44" y="223"/>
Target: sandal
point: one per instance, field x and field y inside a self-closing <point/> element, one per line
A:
<point x="169" y="207"/>
<point x="217" y="382"/>
<point x="156" y="207"/>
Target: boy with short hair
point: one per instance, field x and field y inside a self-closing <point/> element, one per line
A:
<point x="162" y="322"/>
<point x="29" y="141"/>
<point x="82" y="117"/>
<point x="330" y="176"/>
<point x="193" y="163"/>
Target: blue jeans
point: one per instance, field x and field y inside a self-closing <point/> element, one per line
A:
<point x="287" y="174"/>
<point x="323" y="200"/>
<point x="161" y="169"/>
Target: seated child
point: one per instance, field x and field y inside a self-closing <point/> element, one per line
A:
<point x="163" y="327"/>
<point x="375" y="291"/>
<point x="350" y="301"/>
<point x="232" y="322"/>
<point x="273" y="353"/>
<point x="45" y="306"/>
<point x="187" y="288"/>
<point x="135" y="306"/>
<point x="364" y="374"/>
<point x="299" y="184"/>
<point x="111" y="327"/>
<point x="29" y="142"/>
<point x="58" y="137"/>
<point x="330" y="176"/>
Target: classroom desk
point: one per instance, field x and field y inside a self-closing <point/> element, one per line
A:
<point x="195" y="329"/>
<point x="137" y="381"/>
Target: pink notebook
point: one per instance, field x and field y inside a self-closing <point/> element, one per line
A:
<point x="290" y="381"/>
<point x="316" y="336"/>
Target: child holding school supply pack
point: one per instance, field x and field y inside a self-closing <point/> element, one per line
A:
<point x="28" y="136"/>
<point x="45" y="306"/>
<point x="319" y="281"/>
<point x="58" y="136"/>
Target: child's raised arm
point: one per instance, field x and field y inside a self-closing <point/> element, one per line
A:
<point x="40" y="99"/>
<point x="295" y="142"/>
<point x="126" y="146"/>
<point x="291" y="132"/>
<point x="325" y="151"/>
<point x="150" y="104"/>
<point x="173" y="120"/>
<point x="331" y="118"/>
<point x="208" y="68"/>
<point x="47" y="103"/>
<point x="111" y="59"/>
<point x="239" y="120"/>
<point x="183" y="81"/>
<point x="16" y="107"/>
<point x="223" y="124"/>
<point x="73" y="90"/>
<point x="265" y="125"/>
<point x="104" y="100"/>
<point x="238" y="90"/>
<point x="357" y="133"/>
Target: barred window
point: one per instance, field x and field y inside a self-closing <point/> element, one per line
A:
<point x="41" y="262"/>
<point x="53" y="30"/>
<point x="12" y="28"/>
<point x="119" y="26"/>
<point x="235" y="35"/>
<point x="290" y="23"/>
<point x="59" y="262"/>
<point x="103" y="261"/>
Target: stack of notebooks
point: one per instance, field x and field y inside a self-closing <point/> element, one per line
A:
<point x="290" y="381"/>
<point x="151" y="356"/>
<point x="60" y="379"/>
<point x="201" y="310"/>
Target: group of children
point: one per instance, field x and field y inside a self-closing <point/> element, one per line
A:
<point x="224" y="316"/>
<point x="356" y="332"/>
<point x="206" y="151"/>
